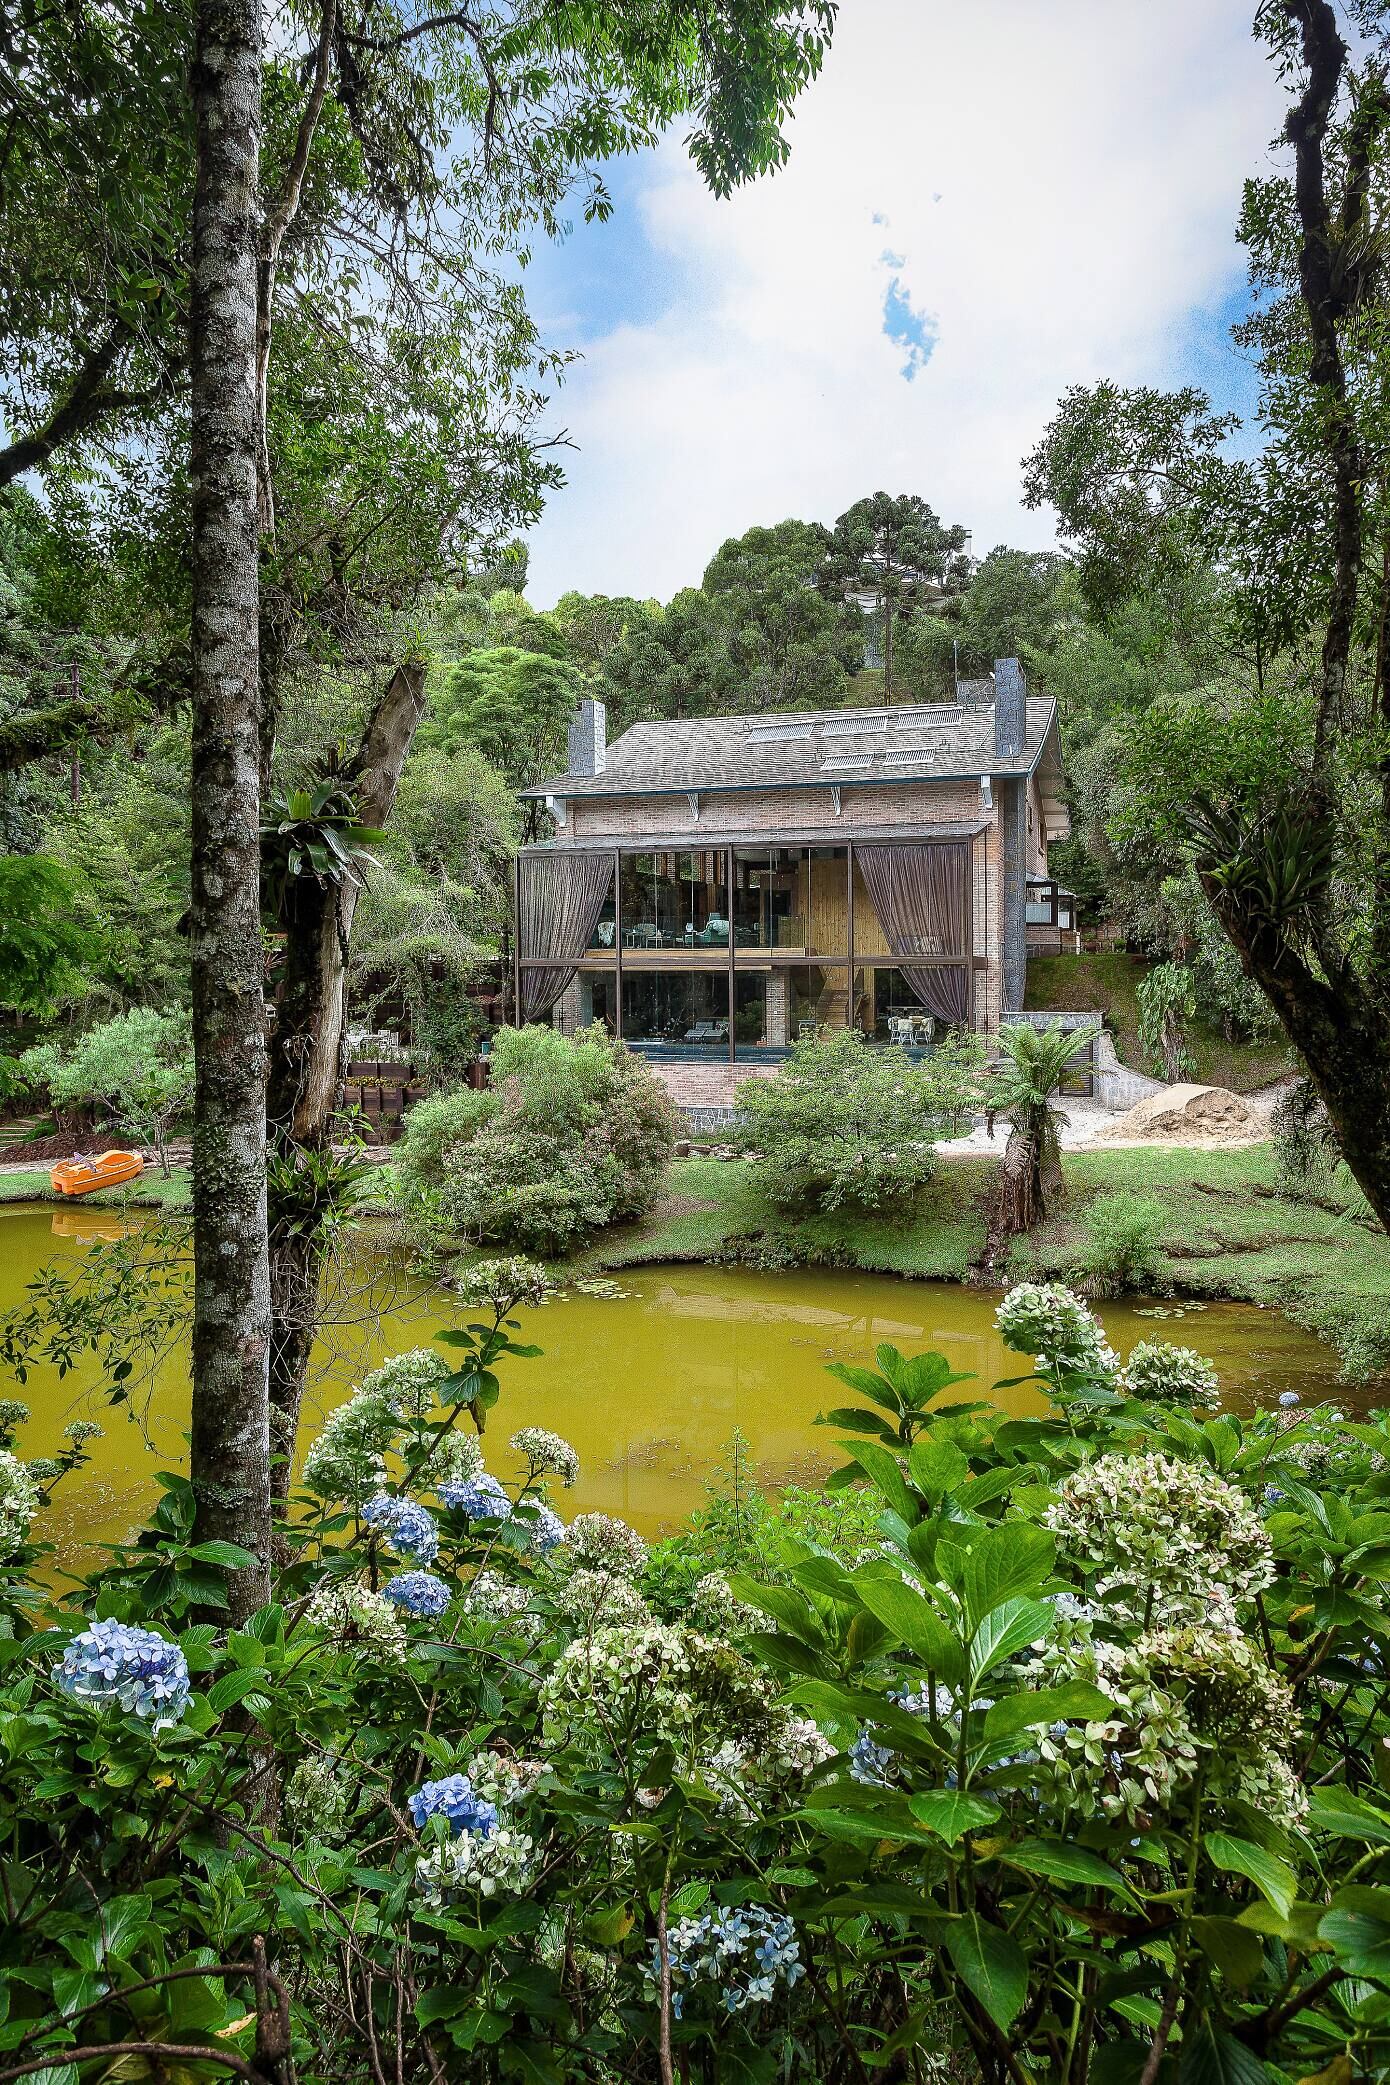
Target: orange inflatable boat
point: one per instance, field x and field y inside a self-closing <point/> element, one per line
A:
<point x="83" y="1176"/>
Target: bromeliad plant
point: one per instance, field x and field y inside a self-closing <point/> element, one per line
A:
<point x="1078" y="1776"/>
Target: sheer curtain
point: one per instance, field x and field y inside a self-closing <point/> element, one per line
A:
<point x="919" y="894"/>
<point x="560" y="898"/>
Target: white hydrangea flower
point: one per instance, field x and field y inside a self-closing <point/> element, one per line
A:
<point x="501" y="1779"/>
<point x="356" y="1618"/>
<point x="1185" y="1698"/>
<point x="456" y="1458"/>
<point x="19" y="1502"/>
<point x="547" y="1454"/>
<point x="489" y="1597"/>
<point x="347" y="1462"/>
<point x="1050" y="1321"/>
<point x="1158" y="1373"/>
<point x="1173" y="1539"/>
<point x="603" y="1543"/>
<point x="408" y="1383"/>
<point x="619" y="1682"/>
<point x="592" y="1600"/>
<point x="718" y="1611"/>
<point x="503" y="1285"/>
<point x="316" y="1797"/>
<point x="497" y="1861"/>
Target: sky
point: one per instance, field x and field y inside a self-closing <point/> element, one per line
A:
<point x="984" y="205"/>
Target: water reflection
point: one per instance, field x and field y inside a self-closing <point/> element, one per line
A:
<point x="649" y="1386"/>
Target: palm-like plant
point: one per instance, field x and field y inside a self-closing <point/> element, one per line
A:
<point x="1032" y="1066"/>
<point x="312" y="835"/>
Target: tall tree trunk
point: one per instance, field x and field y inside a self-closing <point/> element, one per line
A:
<point x="307" y="1056"/>
<point x="230" y="1463"/>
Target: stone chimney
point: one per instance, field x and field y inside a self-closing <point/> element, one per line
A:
<point x="1010" y="712"/>
<point x="588" y="754"/>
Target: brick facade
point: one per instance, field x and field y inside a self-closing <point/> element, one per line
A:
<point x="707" y="1085"/>
<point x="771" y="811"/>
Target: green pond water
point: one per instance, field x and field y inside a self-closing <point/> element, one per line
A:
<point x="649" y="1385"/>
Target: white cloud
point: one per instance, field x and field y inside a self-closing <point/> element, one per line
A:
<point x="1054" y="182"/>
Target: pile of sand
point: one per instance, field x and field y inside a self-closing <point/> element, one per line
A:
<point x="1189" y="1115"/>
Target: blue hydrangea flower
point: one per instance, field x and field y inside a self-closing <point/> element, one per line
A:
<point x="1272" y="1494"/>
<point x="480" y="1497"/>
<point x="1288" y="1399"/>
<point x="408" y="1529"/>
<point x="743" y="1954"/>
<point x="454" y="1798"/>
<point x="113" y="1664"/>
<point x="871" y="1762"/>
<point x="544" y="1530"/>
<point x="418" y="1592"/>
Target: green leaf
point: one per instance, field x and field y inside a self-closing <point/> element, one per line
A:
<point x="1061" y="1862"/>
<point x="990" y="1964"/>
<point x="1347" y="1816"/>
<point x="1234" y="1949"/>
<point x="1273" y="1878"/>
<point x="951" y="1814"/>
<point x="794" y="1613"/>
<point x="234" y="1687"/>
<point x="882" y="1468"/>
<point x="1008" y="1629"/>
<point x="228" y="1554"/>
<point x="1209" y="2058"/>
<point x="936" y="1467"/>
<point x="915" y="1622"/>
<point x="1014" y="1557"/>
<point x="864" y="1828"/>
<point x="1076" y="1701"/>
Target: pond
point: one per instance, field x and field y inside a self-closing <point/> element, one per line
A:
<point x="649" y="1385"/>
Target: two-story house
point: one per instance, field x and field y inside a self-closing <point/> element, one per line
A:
<point x="718" y="886"/>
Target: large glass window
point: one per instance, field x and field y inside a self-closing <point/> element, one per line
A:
<point x="674" y="899"/>
<point x="598" y="999"/>
<point x="768" y="908"/>
<point x="677" y="1006"/>
<point x="820" y="998"/>
<point x="897" y="1014"/>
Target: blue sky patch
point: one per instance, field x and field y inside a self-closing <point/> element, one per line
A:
<point x="908" y="328"/>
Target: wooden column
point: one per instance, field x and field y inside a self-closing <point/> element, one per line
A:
<point x="849" y="927"/>
<point x="618" y="941"/>
<point x="516" y="941"/>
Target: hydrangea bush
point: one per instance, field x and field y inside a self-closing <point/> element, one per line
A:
<point x="1064" y="1761"/>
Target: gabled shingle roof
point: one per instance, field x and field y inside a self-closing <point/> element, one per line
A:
<point x="777" y="750"/>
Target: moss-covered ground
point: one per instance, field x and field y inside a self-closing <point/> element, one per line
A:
<point x="1226" y="1233"/>
<point x="151" y="1191"/>
<point x="1107" y="982"/>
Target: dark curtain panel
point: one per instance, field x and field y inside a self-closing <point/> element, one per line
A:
<point x="560" y="899"/>
<point x="919" y="894"/>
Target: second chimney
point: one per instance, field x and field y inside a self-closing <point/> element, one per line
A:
<point x="1010" y="709"/>
<point x="588" y="749"/>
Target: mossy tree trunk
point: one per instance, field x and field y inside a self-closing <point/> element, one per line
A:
<point x="230" y="1459"/>
<point x="308" y="1056"/>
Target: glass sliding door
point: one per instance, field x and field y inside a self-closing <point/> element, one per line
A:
<point x="685" y="1007"/>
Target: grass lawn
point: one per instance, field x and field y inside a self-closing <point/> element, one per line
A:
<point x="1226" y="1234"/>
<point x="151" y="1191"/>
<point x="1108" y="981"/>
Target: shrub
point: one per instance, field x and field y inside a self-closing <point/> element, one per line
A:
<point x="1121" y="1248"/>
<point x="1167" y="1005"/>
<point x="436" y="1127"/>
<point x="573" y="1135"/>
<point x="846" y="1121"/>
<point x="1306" y="1152"/>
<point x="139" y="1066"/>
<point x="1067" y="1734"/>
